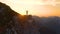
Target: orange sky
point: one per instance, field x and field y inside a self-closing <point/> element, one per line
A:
<point x="35" y="7"/>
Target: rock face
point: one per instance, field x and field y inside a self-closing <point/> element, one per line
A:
<point x="7" y="22"/>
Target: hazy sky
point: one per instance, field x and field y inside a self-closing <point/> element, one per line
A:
<point x="35" y="7"/>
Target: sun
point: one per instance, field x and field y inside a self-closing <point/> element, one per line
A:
<point x="22" y="12"/>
